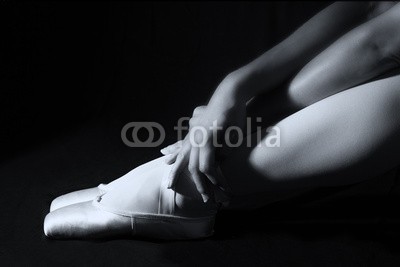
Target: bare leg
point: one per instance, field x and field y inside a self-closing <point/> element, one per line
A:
<point x="343" y="139"/>
<point x="270" y="108"/>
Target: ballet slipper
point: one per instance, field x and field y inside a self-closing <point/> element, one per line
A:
<point x="82" y="221"/>
<point x="75" y="197"/>
<point x="85" y="194"/>
<point x="139" y="205"/>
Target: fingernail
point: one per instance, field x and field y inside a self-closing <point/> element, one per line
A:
<point x="169" y="184"/>
<point x="205" y="198"/>
<point x="162" y="150"/>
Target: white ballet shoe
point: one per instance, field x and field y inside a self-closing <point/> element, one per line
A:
<point x="141" y="206"/>
<point x="75" y="197"/>
<point x="82" y="220"/>
<point x="86" y="194"/>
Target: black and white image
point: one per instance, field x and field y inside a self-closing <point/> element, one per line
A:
<point x="200" y="133"/>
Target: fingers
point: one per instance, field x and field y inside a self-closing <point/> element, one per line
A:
<point x="207" y="164"/>
<point x="193" y="167"/>
<point x="180" y="164"/>
<point x="208" y="167"/>
<point x="172" y="148"/>
<point x="198" y="110"/>
<point x="178" y="167"/>
<point x="171" y="158"/>
<point x="200" y="161"/>
<point x="193" y="122"/>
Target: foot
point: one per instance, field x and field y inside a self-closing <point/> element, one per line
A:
<point x="87" y="194"/>
<point x="74" y="197"/>
<point x="139" y="203"/>
<point x="83" y="220"/>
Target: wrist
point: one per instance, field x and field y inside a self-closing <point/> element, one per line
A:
<point x="244" y="84"/>
<point x="226" y="96"/>
<point x="234" y="89"/>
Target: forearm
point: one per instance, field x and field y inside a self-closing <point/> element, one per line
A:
<point x="285" y="59"/>
<point x="362" y="54"/>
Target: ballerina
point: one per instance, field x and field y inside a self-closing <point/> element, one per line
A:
<point x="337" y="114"/>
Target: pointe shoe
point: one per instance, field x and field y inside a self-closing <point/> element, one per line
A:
<point x="139" y="205"/>
<point x="83" y="221"/>
<point x="75" y="197"/>
<point x="85" y="194"/>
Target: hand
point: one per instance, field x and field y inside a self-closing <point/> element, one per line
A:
<point x="197" y="151"/>
<point x="225" y="91"/>
<point x="172" y="151"/>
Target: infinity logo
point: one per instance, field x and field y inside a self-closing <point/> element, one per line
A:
<point x="136" y="126"/>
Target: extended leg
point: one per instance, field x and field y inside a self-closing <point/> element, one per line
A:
<point x="140" y="204"/>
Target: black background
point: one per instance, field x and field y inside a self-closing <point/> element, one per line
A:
<point x="67" y="63"/>
<point x="73" y="73"/>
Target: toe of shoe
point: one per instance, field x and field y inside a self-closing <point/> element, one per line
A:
<point x="47" y="225"/>
<point x="56" y="203"/>
<point x="53" y="225"/>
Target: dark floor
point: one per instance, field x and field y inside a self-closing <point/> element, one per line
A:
<point x="341" y="232"/>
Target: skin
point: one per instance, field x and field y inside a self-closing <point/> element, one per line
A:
<point x="330" y="98"/>
<point x="366" y="51"/>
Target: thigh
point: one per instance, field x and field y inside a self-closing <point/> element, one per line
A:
<point x="342" y="139"/>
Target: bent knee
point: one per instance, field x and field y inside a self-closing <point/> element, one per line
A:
<point x="271" y="163"/>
